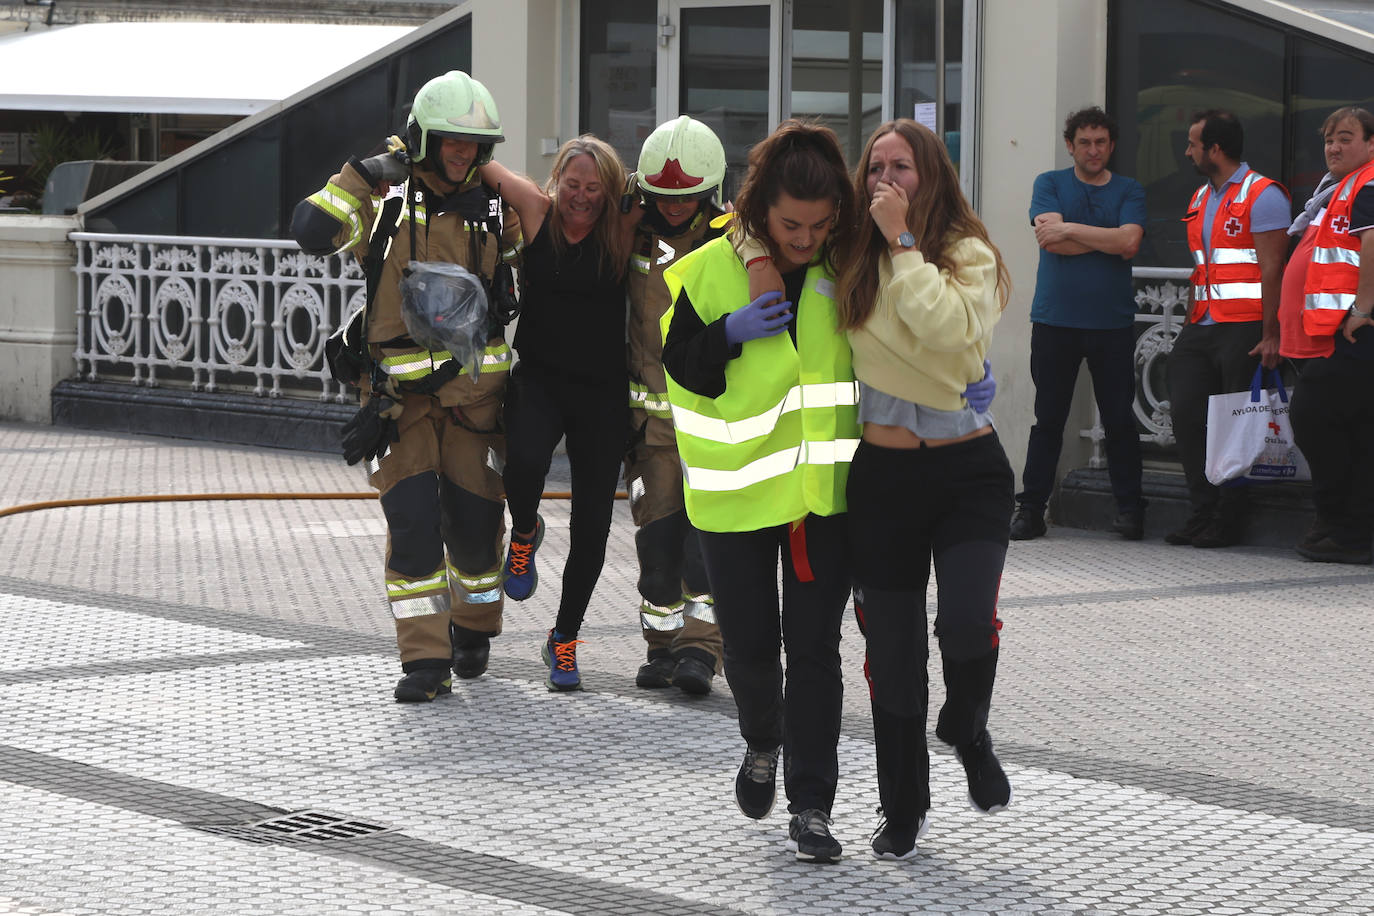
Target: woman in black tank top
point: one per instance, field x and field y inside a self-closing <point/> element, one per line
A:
<point x="570" y="381"/>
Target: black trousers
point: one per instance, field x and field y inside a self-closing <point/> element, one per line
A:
<point x="1208" y="359"/>
<point x="1332" y="411"/>
<point x="542" y="407"/>
<point x="1056" y="354"/>
<point x="907" y="507"/>
<point x="803" y="716"/>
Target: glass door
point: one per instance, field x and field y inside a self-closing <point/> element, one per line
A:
<point x="718" y="62"/>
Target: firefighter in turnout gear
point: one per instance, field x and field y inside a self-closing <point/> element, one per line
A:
<point x="428" y="426"/>
<point x="681" y="167"/>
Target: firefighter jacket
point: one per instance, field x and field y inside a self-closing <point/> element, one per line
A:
<point x="777" y="443"/>
<point x="1227" y="285"/>
<point x="450" y="225"/>
<point x="1333" y="276"/>
<point x="652" y="255"/>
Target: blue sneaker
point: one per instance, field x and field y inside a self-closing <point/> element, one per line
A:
<point x="561" y="657"/>
<point x="519" y="577"/>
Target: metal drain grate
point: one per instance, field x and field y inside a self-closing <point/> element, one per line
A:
<point x="296" y="828"/>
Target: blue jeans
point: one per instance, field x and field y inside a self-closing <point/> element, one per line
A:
<point x="1055" y="356"/>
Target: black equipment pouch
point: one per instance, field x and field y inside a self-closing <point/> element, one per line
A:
<point x="346" y="351"/>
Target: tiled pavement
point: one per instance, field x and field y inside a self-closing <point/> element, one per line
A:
<point x="1187" y="730"/>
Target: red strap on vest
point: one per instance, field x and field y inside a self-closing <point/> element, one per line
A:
<point x="796" y="539"/>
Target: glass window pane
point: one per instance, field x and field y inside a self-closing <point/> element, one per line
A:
<point x="954" y="77"/>
<point x="837" y="67"/>
<point x="1327" y="79"/>
<point x="916" y="66"/>
<point x="1160" y="54"/>
<point x="724" y="80"/>
<point x="618" y="73"/>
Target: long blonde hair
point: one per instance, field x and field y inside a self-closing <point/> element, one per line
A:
<point x="613" y="244"/>
<point x="937" y="215"/>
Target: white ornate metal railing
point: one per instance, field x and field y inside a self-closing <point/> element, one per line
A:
<point x="210" y="314"/>
<point x="1161" y="312"/>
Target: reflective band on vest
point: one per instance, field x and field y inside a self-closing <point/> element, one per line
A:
<point x="776" y="445"/>
<point x="717" y="430"/>
<point x="1333" y="275"/>
<point x="1228" y="285"/>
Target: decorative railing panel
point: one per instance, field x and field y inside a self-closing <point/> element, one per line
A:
<point x="211" y="314"/>
<point x="1162" y="310"/>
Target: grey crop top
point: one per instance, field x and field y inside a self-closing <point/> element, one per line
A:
<point x="927" y="422"/>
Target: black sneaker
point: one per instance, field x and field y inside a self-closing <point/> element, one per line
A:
<point x="657" y="672"/>
<point x="1130" y="525"/>
<point x="423" y="685"/>
<point x="808" y="834"/>
<point x="692" y="675"/>
<point x="988" y="788"/>
<point x="756" y="783"/>
<point x="897" y="841"/>
<point x="1028" y="524"/>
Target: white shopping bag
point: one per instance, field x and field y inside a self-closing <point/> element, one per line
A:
<point x="1249" y="437"/>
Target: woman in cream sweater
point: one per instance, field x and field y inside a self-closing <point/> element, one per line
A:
<point x="920" y="288"/>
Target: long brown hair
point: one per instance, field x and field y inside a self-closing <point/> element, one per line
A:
<point x="611" y="242"/>
<point x="803" y="160"/>
<point x="937" y="215"/>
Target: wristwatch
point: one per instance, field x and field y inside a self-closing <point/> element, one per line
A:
<point x="1359" y="314"/>
<point x="906" y="240"/>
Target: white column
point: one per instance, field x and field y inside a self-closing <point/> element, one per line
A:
<point x="1042" y="60"/>
<point x="37" y="313"/>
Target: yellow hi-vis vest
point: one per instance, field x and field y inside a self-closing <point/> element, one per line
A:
<point x="777" y="443"/>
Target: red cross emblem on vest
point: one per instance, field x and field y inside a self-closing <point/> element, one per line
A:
<point x="1340" y="225"/>
<point x="1275" y="427"/>
<point x="1233" y="227"/>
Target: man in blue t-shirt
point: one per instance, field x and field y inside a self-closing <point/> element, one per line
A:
<point x="1088" y="223"/>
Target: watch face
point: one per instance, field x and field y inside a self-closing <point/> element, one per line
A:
<point x="906" y="240"/>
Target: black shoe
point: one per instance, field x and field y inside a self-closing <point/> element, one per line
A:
<point x="1027" y="524"/>
<point x="988" y="788"/>
<point x="1130" y="525"/>
<point x="1219" y="532"/>
<point x="692" y="675"/>
<point x="470" y="655"/>
<point x="1191" y="529"/>
<point x="423" y="685"/>
<point x="756" y="783"/>
<point x="897" y="841"/>
<point x="1315" y="532"/>
<point x="808" y="834"/>
<point x="1329" y="550"/>
<point x="657" y="672"/>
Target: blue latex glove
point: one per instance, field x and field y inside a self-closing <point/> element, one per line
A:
<point x="980" y="394"/>
<point x="763" y="317"/>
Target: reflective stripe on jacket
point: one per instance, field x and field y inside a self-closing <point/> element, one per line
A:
<point x="1333" y="276"/>
<point x="654" y="254"/>
<point x="1228" y="285"/>
<point x="777" y="443"/>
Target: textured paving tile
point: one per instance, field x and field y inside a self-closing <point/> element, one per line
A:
<point x="1185" y="728"/>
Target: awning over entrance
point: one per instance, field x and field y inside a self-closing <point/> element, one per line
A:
<point x="234" y="68"/>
